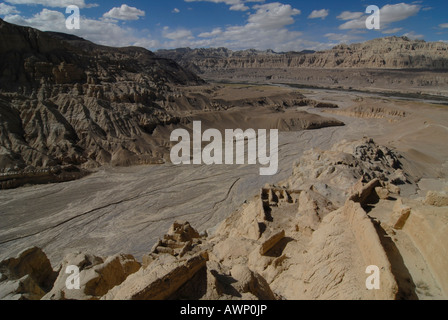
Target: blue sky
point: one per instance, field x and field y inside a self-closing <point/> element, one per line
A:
<point x="236" y="24"/>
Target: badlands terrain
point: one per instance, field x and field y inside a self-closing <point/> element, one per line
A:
<point x="86" y="181"/>
<point x="392" y="64"/>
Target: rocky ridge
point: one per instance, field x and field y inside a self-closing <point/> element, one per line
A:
<point x="387" y="53"/>
<point x="395" y="64"/>
<point x="311" y="236"/>
<point x="69" y="106"/>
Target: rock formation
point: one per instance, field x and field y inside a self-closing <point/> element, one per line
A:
<point x="26" y="277"/>
<point x="68" y="106"/>
<point x="311" y="236"/>
<point x="392" y="64"/>
<point x="387" y="53"/>
<point x="97" y="276"/>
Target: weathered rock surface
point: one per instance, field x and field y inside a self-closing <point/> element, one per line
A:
<point x="340" y="251"/>
<point x="388" y="53"/>
<point x="68" y="106"/>
<point x="159" y="280"/>
<point x="295" y="240"/>
<point x="26" y="277"/>
<point x="427" y="227"/>
<point x="97" y="276"/>
<point x="437" y="199"/>
<point x="65" y="101"/>
<point x="345" y="168"/>
<point x="392" y="64"/>
<point x="180" y="240"/>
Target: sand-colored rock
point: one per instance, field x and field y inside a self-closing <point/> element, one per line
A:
<point x="340" y="251"/>
<point x="362" y="192"/>
<point x="372" y="250"/>
<point x="438" y="199"/>
<point x="393" y="188"/>
<point x="382" y="192"/>
<point x="27" y="276"/>
<point x="233" y="249"/>
<point x="97" y="276"/>
<point x="313" y="207"/>
<point x="250" y="282"/>
<point x="21" y="289"/>
<point x="158" y="282"/>
<point x="400" y="215"/>
<point x="271" y="241"/>
<point x="349" y="169"/>
<point x="180" y="239"/>
<point x="427" y="227"/>
<point x="329" y="262"/>
<point x="247" y="225"/>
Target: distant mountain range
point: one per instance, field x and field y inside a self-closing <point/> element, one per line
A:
<point x="392" y="64"/>
<point x="387" y="53"/>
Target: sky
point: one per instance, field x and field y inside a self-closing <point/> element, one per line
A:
<point x="284" y="25"/>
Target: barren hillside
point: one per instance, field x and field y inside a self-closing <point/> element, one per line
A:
<point x="388" y="64"/>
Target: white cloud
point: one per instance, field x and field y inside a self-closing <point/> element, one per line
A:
<point x="46" y="20"/>
<point x="215" y="32"/>
<point x="342" y="38"/>
<point x="319" y="14"/>
<point x="347" y="15"/>
<point x="175" y="10"/>
<point x="105" y="31"/>
<point x="413" y="36"/>
<point x="124" y="12"/>
<point x="235" y="5"/>
<point x="266" y="28"/>
<point x="394" y="30"/>
<point x="272" y="15"/>
<point x="180" y="34"/>
<point x="443" y="25"/>
<point x="5" y="9"/>
<point x="54" y="3"/>
<point x="389" y="14"/>
<point x="398" y="12"/>
<point x="239" y="7"/>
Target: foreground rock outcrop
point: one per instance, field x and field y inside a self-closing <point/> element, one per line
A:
<point x="97" y="276"/>
<point x="313" y="236"/>
<point x="26" y="277"/>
